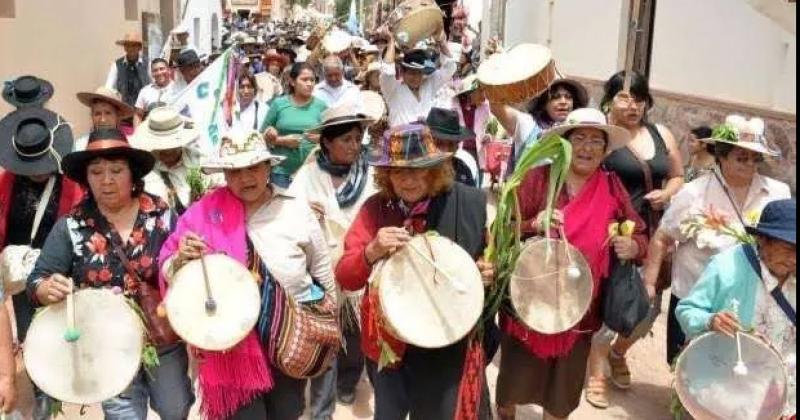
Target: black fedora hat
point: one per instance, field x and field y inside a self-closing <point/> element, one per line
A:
<point x="419" y="60"/>
<point x="33" y="140"/>
<point x="27" y="91"/>
<point x="445" y="125"/>
<point x="187" y="58"/>
<point x="109" y="143"/>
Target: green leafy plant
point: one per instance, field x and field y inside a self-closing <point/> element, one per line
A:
<point x="726" y="132"/>
<point x="505" y="245"/>
<point x="198" y="185"/>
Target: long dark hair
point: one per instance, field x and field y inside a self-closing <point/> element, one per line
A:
<point x="640" y="89"/>
<point x="538" y="107"/>
<point x="296" y="70"/>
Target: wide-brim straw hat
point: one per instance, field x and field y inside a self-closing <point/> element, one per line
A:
<point x="746" y="134"/>
<point x="111" y="96"/>
<point x="165" y="128"/>
<point x="618" y="137"/>
<point x="342" y="114"/>
<point x="130" y="38"/>
<point x="106" y="142"/>
<point x="240" y="149"/>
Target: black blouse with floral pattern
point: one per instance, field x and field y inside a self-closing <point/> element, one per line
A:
<point x="80" y="247"/>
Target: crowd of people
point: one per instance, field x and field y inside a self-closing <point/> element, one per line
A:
<point x="314" y="185"/>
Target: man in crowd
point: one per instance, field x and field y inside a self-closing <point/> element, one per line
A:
<point x="190" y="67"/>
<point x="128" y="74"/>
<point x="335" y="90"/>
<point x="160" y="91"/>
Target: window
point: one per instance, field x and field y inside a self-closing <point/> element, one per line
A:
<point x="6" y="8"/>
<point x="131" y="10"/>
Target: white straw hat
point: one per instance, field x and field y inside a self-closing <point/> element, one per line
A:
<point x="164" y="129"/>
<point x="618" y="137"/>
<point x="240" y="149"/>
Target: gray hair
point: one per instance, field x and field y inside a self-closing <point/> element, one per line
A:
<point x="332" y="63"/>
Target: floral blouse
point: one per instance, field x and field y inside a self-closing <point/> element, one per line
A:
<point x="79" y="247"/>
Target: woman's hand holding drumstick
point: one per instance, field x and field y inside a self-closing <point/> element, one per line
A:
<point x="386" y="242"/>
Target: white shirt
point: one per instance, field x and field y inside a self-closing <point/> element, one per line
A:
<point x="693" y="253"/>
<point x="111" y="79"/>
<point x="154" y="182"/>
<point x="771" y="322"/>
<point x="333" y="96"/>
<point x="251" y="117"/>
<point x="288" y="237"/>
<point x="152" y="93"/>
<point x="404" y="107"/>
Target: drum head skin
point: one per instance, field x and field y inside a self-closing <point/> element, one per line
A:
<point x="419" y="305"/>
<point x="235" y="292"/>
<point x="104" y="360"/>
<point x="709" y="389"/>
<point x="543" y="294"/>
<point x="374" y="105"/>
<point x="505" y="68"/>
<point x="416" y="20"/>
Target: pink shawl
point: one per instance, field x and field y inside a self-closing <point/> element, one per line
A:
<point x="230" y="379"/>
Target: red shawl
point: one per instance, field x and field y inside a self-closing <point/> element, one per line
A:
<point x="71" y="195"/>
<point x="587" y="217"/>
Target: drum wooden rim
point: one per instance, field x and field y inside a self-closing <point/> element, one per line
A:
<point x="47" y="351"/>
<point x="237" y="297"/>
<point x="507" y="84"/>
<point x="531" y="313"/>
<point x="418" y="24"/>
<point x="681" y="370"/>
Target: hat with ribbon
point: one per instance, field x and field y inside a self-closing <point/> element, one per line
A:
<point x="107" y="143"/>
<point x="445" y="125"/>
<point x="744" y="133"/>
<point x="131" y="38"/>
<point x="240" y="149"/>
<point x="407" y="146"/>
<point x="27" y="91"/>
<point x="33" y="141"/>
<point x="778" y="221"/>
<point x="618" y="137"/>
<point x="164" y="129"/>
<point x="345" y="113"/>
<point x="419" y="60"/>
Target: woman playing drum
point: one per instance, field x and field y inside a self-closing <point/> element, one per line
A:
<point x="731" y="296"/>
<point x="276" y="236"/>
<point x="417" y="194"/>
<point x="549" y="370"/>
<point x="115" y="217"/>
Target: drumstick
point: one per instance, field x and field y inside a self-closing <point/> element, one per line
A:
<point x="459" y="287"/>
<point x="211" y="304"/>
<point x="740" y="368"/>
<point x="72" y="334"/>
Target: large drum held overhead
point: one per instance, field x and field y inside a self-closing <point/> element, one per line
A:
<point x="101" y="363"/>
<point x="517" y="75"/>
<point x="709" y="388"/>
<point x="551" y="291"/>
<point x="416" y="20"/>
<point x="420" y="306"/>
<point x="235" y="292"/>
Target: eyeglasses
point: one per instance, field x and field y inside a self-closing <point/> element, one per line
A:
<point x="588" y="143"/>
<point x="746" y="159"/>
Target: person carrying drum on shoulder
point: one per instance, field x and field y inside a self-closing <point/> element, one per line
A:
<point x="411" y="96"/>
<point x="116" y="225"/>
<point x="417" y="195"/>
<point x="753" y="287"/>
<point x="549" y="369"/>
<point x="544" y="112"/>
<point x="278" y="238"/>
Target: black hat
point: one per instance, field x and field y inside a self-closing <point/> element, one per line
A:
<point x="187" y="58"/>
<point x="33" y="140"/>
<point x="445" y="125"/>
<point x="778" y="221"/>
<point x="419" y="60"/>
<point x="27" y="91"/>
<point x="107" y="142"/>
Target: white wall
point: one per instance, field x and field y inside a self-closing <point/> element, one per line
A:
<point x="202" y="12"/>
<point x="585" y="33"/>
<point x="726" y="50"/>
